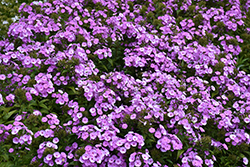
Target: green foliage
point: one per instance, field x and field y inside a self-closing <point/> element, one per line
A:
<point x="231" y="157"/>
<point x="198" y="20"/>
<point x="6" y="114"/>
<point x="80" y="151"/>
<point x="143" y="9"/>
<point x="243" y="59"/>
<point x="203" y="41"/>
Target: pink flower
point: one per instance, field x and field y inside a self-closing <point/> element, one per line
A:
<point x="245" y="160"/>
<point x="49" y="144"/>
<point x="79" y="115"/>
<point x="247" y="120"/>
<point x="88" y="148"/>
<point x="184" y="160"/>
<point x="2" y="77"/>
<point x="55" y="140"/>
<point x="82" y="109"/>
<point x="227" y="139"/>
<point x="58" y="161"/>
<point x="196" y="163"/>
<point x="133" y="116"/>
<point x="127" y="145"/>
<point x="132" y="157"/>
<point x="85" y="120"/>
<point x="28" y="95"/>
<point x="44" y="119"/>
<point x="51" y="163"/>
<point x="15" y="140"/>
<point x="93" y="135"/>
<point x="151" y="130"/>
<point x="138" y="163"/>
<point x="70" y="155"/>
<point x="49" y="157"/>
<point x="120" y="142"/>
<point x="14" y="131"/>
<point x="118" y="161"/>
<point x="158" y="134"/>
<point x="11" y="150"/>
<point x="36" y="112"/>
<point x="52" y="126"/>
<point x="18" y="118"/>
<point x="124" y="126"/>
<point x="1" y="99"/>
<point x="145" y="156"/>
<point x="56" y="154"/>
<point x="123" y="150"/>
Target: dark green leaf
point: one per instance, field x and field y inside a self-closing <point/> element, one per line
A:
<point x="179" y="153"/>
<point x="44" y="111"/>
<point x="9" y="114"/>
<point x="43" y="106"/>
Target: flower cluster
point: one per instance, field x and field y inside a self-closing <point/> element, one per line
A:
<point x="44" y="85"/>
<point x="191" y="158"/>
<point x="165" y="142"/>
<point x="138" y="159"/>
<point x="125" y="83"/>
<point x="115" y="161"/>
<point x="93" y="155"/>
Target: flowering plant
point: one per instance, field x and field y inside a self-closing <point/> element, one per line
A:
<point x="125" y="83"/>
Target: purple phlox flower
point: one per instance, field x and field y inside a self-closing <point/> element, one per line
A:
<point x="18" y="118"/>
<point x="56" y="154"/>
<point x="11" y="150"/>
<point x="55" y="140"/>
<point x="36" y="112"/>
<point x="245" y="161"/>
<point x="49" y="157"/>
<point x="44" y="119"/>
<point x="2" y="77"/>
<point x="1" y="99"/>
<point x="28" y="95"/>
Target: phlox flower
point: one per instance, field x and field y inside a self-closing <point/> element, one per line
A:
<point x="245" y="161"/>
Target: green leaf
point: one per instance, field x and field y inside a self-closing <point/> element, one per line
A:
<point x="73" y="163"/>
<point x="247" y="152"/>
<point x="9" y="114"/>
<point x="178" y="11"/>
<point x="5" y="156"/>
<point x="242" y="65"/>
<point x="105" y="68"/>
<point x="71" y="93"/>
<point x="64" y="71"/>
<point x="179" y="154"/>
<point x="110" y="61"/>
<point x="242" y="156"/>
<point x="43" y="101"/>
<point x="169" y="161"/>
<point x="10" y="122"/>
<point x="6" y="164"/>
<point x="6" y="109"/>
<point x="227" y="163"/>
<point x="44" y="111"/>
<point x="33" y="103"/>
<point x="74" y="91"/>
<point x="43" y="106"/>
<point x="17" y="105"/>
<point x="214" y="93"/>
